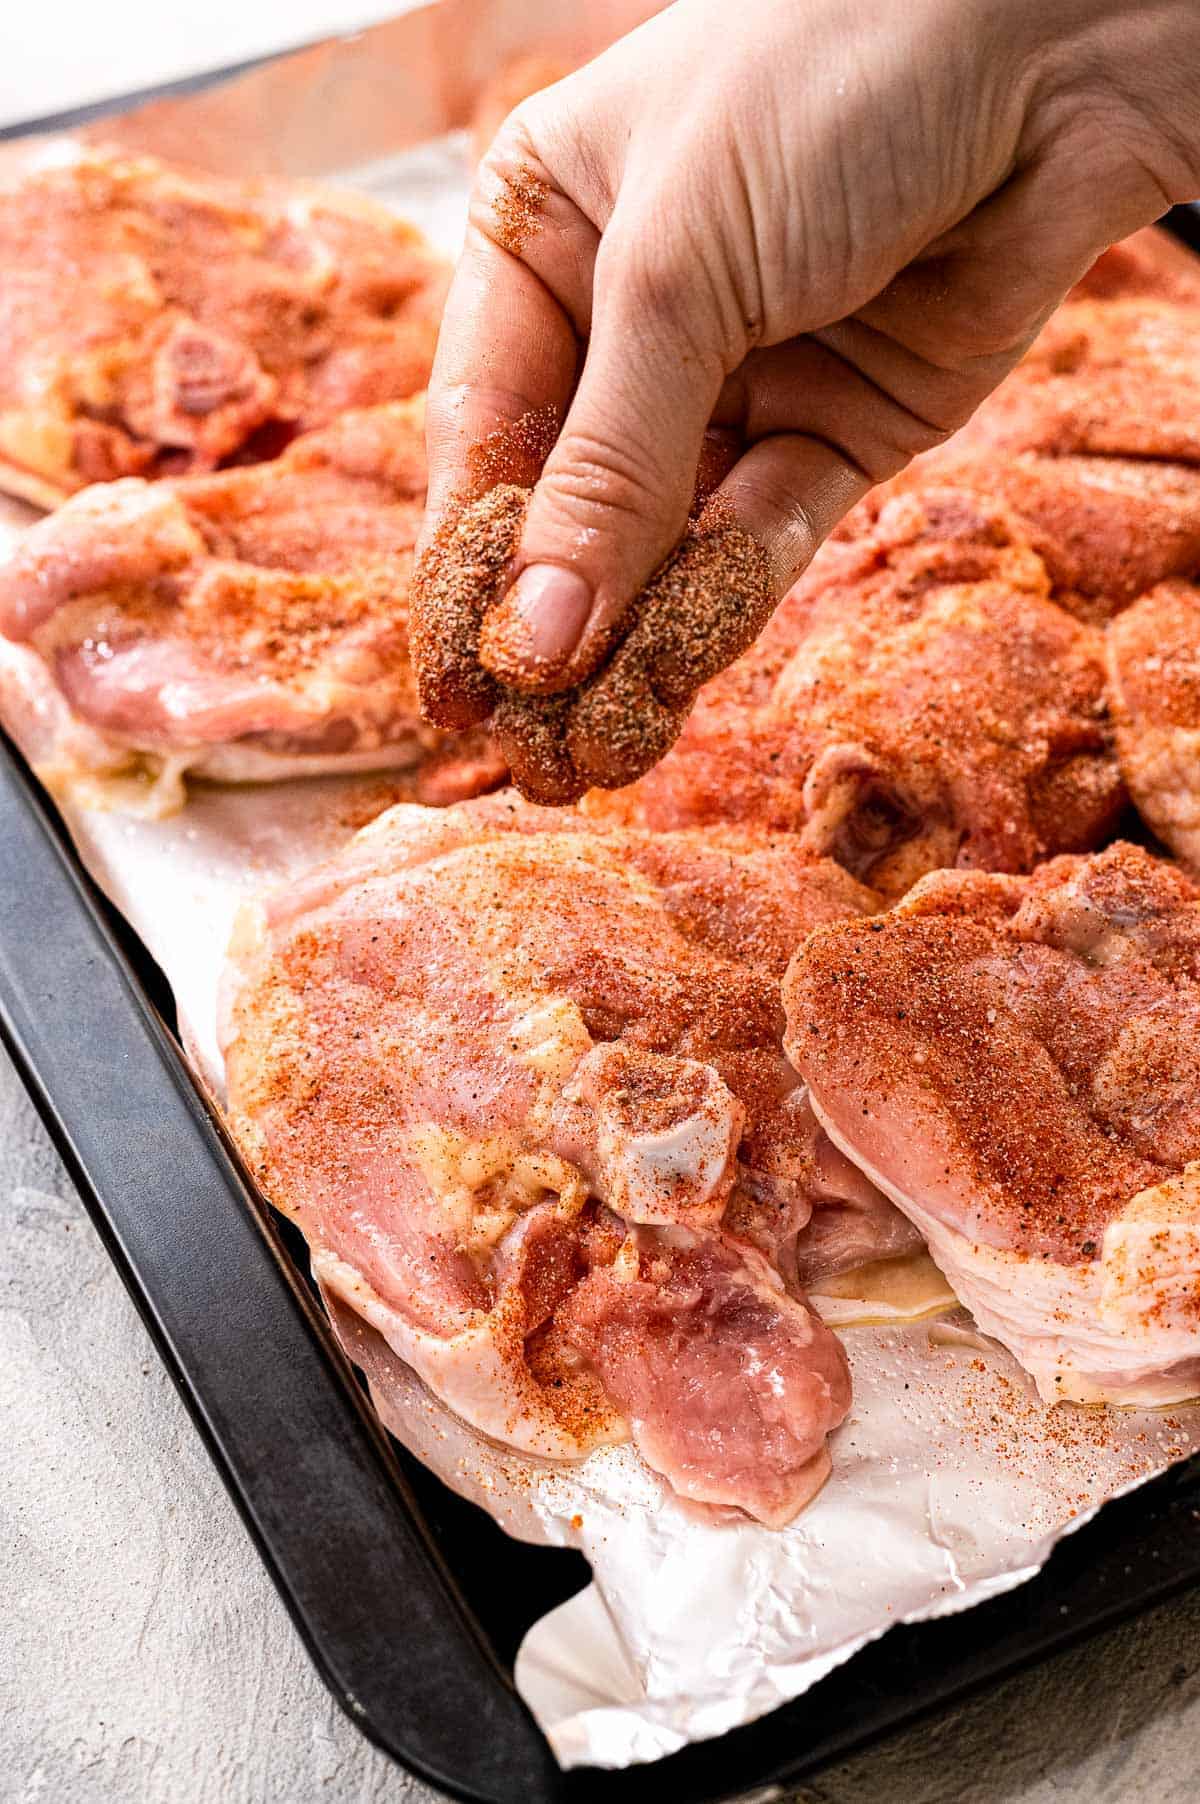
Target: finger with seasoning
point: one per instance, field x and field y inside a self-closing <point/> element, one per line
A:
<point x="830" y="241"/>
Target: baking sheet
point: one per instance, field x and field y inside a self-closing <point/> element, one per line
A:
<point x="951" y="1481"/>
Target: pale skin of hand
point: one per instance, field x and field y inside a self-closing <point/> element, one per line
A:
<point x="830" y="226"/>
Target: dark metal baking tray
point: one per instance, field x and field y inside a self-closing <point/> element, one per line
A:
<point x="411" y="1602"/>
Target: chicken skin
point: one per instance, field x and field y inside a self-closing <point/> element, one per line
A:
<point x="1091" y="442"/>
<point x="1106" y="528"/>
<point x="917" y="701"/>
<point x="243" y="625"/>
<point x="521" y="1084"/>
<point x="1154" y="659"/>
<point x="1110" y="378"/>
<point x="154" y="321"/>
<point x="1151" y="262"/>
<point x="1015" y="1061"/>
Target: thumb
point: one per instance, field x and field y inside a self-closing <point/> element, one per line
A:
<point x="614" y="497"/>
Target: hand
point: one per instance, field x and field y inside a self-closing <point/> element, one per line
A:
<point x="828" y="230"/>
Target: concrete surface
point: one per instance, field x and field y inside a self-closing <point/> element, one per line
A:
<point x="144" y="1658"/>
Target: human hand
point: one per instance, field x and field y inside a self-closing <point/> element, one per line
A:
<point x="826" y="230"/>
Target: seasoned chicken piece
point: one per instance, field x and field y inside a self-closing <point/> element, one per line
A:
<point x="154" y="320"/>
<point x="1111" y="378"/>
<point x="1154" y="659"/>
<point x="915" y="702"/>
<point x="1106" y="528"/>
<point x="244" y="625"/>
<point x="1091" y="441"/>
<point x="1152" y="262"/>
<point x="520" y="1083"/>
<point x="1016" y="1063"/>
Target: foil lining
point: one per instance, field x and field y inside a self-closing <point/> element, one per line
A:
<point x="952" y="1482"/>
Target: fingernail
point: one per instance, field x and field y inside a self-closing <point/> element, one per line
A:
<point x="539" y="623"/>
<point x="552" y="605"/>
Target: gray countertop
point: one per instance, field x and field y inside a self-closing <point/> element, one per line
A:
<point x="145" y="1659"/>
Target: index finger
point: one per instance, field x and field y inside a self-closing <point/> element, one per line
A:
<point x="517" y="314"/>
<point x="505" y="370"/>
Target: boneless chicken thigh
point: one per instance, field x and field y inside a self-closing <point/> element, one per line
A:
<point x="243" y="625"/>
<point x="917" y="701"/>
<point x="521" y="1084"/>
<point x="154" y="320"/>
<point x="1015" y="1061"/>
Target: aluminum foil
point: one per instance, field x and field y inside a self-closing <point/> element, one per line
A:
<point x="951" y="1481"/>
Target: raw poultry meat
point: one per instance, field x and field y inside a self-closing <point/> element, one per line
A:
<point x="1090" y="446"/>
<point x="1112" y="378"/>
<point x="1154" y="659"/>
<point x="1015" y="1061"/>
<point x="1151" y="262"/>
<point x="242" y="625"/>
<point x="155" y="320"/>
<point x="520" y="1082"/>
<point x="917" y="701"/>
<point x="1106" y="528"/>
<point x="1091" y="441"/>
<point x="1113" y="373"/>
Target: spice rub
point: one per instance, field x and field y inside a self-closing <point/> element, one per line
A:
<point x="706" y="604"/>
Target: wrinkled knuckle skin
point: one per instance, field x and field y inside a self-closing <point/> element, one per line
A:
<point x="612" y="484"/>
<point x="766" y="499"/>
<point x="976" y="324"/>
<point x="660" y="287"/>
<point x="515" y="147"/>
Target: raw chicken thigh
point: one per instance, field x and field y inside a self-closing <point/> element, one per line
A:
<point x="1111" y="378"/>
<point x="243" y="625"/>
<point x="1150" y="262"/>
<point x="1015" y="1061"/>
<point x="1092" y="442"/>
<point x="1106" y="528"/>
<point x="1113" y="373"/>
<point x="1154" y="658"/>
<point x="520" y="1082"/>
<point x="917" y="701"/>
<point x="1090" y="445"/>
<point x="154" y="320"/>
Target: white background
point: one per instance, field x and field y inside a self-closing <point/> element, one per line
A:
<point x="56" y="54"/>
